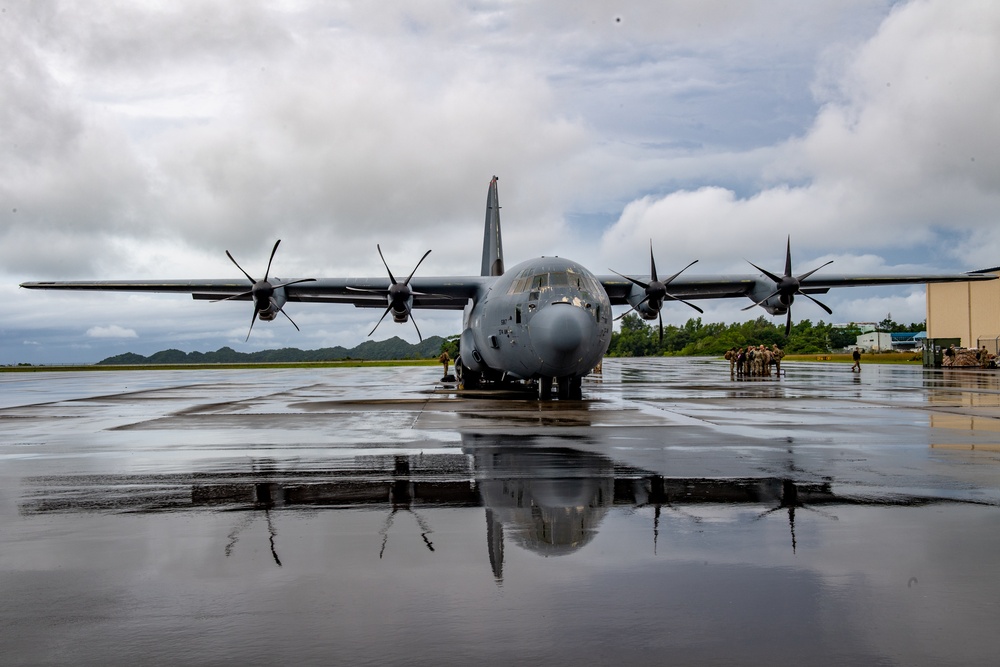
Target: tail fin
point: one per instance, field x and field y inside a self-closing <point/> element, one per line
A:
<point x="492" y="243"/>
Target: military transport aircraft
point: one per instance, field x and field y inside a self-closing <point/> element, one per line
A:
<point x="546" y="319"/>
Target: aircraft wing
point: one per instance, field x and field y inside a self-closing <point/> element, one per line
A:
<point x="692" y="288"/>
<point x="445" y="293"/>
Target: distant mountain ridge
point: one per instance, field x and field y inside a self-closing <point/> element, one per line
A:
<point x="383" y="350"/>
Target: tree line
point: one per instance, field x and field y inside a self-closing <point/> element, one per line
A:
<point x="636" y="338"/>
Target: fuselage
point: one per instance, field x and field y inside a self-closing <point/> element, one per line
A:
<point x="544" y="318"/>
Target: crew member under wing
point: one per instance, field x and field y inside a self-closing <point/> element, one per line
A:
<point x="546" y="319"/>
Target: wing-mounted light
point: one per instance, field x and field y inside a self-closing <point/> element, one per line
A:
<point x="654" y="293"/>
<point x="399" y="295"/>
<point x="266" y="305"/>
<point x="786" y="288"/>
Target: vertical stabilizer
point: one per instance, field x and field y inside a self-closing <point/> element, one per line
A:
<point x="492" y="244"/>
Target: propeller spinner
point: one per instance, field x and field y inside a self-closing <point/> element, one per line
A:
<point x="262" y="292"/>
<point x="788" y="285"/>
<point x="656" y="291"/>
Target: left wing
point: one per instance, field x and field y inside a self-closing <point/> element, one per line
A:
<point x="446" y="293"/>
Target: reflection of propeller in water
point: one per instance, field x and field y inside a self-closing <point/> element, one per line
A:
<point x="656" y="291"/>
<point x="790" y="501"/>
<point x="262" y="292"/>
<point x="657" y="490"/>
<point x="787" y="286"/>
<point x="384" y="532"/>
<point x="234" y="535"/>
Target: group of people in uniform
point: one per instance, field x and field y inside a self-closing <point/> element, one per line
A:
<point x="754" y="360"/>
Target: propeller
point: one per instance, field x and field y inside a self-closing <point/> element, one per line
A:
<point x="262" y="292"/>
<point x="787" y="286"/>
<point x="656" y="291"/>
<point x="400" y="295"/>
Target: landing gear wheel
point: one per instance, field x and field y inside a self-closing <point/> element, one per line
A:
<point x="544" y="389"/>
<point x="570" y="388"/>
<point x="467" y="379"/>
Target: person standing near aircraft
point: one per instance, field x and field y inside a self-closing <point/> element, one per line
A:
<point x="857" y="360"/>
<point x="776" y="354"/>
<point x="444" y="360"/>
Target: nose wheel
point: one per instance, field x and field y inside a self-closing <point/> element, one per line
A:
<point x="568" y="388"/>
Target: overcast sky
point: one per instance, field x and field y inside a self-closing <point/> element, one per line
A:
<point x="143" y="140"/>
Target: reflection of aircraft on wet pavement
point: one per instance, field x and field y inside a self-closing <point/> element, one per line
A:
<point x="544" y="319"/>
<point x="549" y="500"/>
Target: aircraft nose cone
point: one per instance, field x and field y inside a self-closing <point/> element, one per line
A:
<point x="562" y="335"/>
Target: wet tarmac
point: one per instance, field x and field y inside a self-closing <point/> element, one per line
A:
<point x="373" y="516"/>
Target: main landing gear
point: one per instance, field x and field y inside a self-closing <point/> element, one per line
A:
<point x="567" y="388"/>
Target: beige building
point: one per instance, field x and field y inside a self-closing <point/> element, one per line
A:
<point x="970" y="311"/>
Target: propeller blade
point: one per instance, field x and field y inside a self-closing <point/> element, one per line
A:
<point x="632" y="280"/>
<point x="774" y="293"/>
<point x="412" y="319"/>
<point x="416" y="267"/>
<point x="391" y="277"/>
<point x="686" y="303"/>
<point x="290" y="319"/>
<point x="240" y="267"/>
<point x="652" y="263"/>
<point x="635" y="307"/>
<point x="252" y="320"/>
<point x="659" y="314"/>
<point x="667" y="281"/>
<point x="380" y="320"/>
<point x="806" y="275"/>
<point x="818" y="303"/>
<point x="788" y="255"/>
<point x="271" y="259"/>
<point x="788" y="322"/>
<point x="776" y="279"/>
<point x="235" y="296"/>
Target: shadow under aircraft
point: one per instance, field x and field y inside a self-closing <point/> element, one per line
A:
<point x="540" y="494"/>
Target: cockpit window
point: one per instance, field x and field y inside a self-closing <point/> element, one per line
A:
<point x="533" y="282"/>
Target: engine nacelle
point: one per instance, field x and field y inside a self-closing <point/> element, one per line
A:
<point x="648" y="309"/>
<point x="400" y="303"/>
<point x="774" y="305"/>
<point x="268" y="309"/>
<point x="646" y="312"/>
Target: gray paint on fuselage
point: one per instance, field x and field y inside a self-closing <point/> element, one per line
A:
<point x="501" y="323"/>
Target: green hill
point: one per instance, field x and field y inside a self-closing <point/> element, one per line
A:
<point x="383" y="350"/>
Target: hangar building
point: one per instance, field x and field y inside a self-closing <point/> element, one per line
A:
<point x="970" y="311"/>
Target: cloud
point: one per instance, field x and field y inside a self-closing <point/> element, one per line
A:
<point x="111" y="331"/>
<point x="904" y="152"/>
